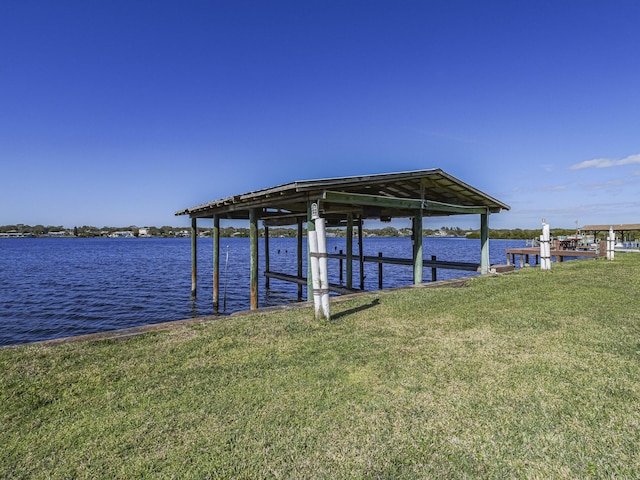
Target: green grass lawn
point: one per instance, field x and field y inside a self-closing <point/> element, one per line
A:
<point x="527" y="375"/>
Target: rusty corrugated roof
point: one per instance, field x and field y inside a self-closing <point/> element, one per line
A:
<point x="290" y="201"/>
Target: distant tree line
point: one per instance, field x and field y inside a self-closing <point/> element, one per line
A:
<point x="166" y="231"/>
<point x="521" y="234"/>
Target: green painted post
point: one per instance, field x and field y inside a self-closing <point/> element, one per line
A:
<point x="253" y="240"/>
<point x="417" y="248"/>
<point x="266" y="257"/>
<point x="311" y="227"/>
<point x="349" y="250"/>
<point x="299" y="256"/>
<point x="484" y="242"/>
<point x="194" y="256"/>
<point x="361" y="252"/>
<point x="434" y="275"/>
<point x="216" y="263"/>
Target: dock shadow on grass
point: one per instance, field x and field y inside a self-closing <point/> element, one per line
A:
<point x="373" y="303"/>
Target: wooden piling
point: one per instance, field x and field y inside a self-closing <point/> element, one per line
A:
<point x="349" y="272"/>
<point x="216" y="263"/>
<point x="266" y="256"/>
<point x="311" y="227"/>
<point x="360" y="252"/>
<point x="417" y="248"/>
<point x="253" y="239"/>
<point x="379" y="272"/>
<point x="299" y="256"/>
<point x="194" y="256"/>
<point x="434" y="275"/>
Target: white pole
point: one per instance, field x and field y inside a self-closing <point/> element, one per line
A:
<point x="324" y="275"/>
<point x="548" y="235"/>
<point x="315" y="269"/>
<point x="611" y="244"/>
<point x="545" y="247"/>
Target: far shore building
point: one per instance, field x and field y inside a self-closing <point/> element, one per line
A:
<point x="122" y="234"/>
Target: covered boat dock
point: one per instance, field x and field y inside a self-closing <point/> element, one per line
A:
<point x="624" y="229"/>
<point x="345" y="202"/>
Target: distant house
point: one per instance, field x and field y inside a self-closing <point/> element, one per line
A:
<point x="14" y="234"/>
<point x="144" y="232"/>
<point x="123" y="234"/>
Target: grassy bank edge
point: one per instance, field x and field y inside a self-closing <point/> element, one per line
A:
<point x="529" y="374"/>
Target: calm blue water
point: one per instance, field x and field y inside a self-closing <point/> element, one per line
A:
<point x="51" y="288"/>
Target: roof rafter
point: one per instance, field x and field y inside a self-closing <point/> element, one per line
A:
<point x="410" y="204"/>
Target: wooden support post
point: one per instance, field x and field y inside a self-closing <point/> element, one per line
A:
<point x="361" y="252"/>
<point x="341" y="267"/>
<point x="253" y="239"/>
<point x="349" y="250"/>
<point x="311" y="227"/>
<point x="417" y="248"/>
<point x="216" y="263"/>
<point x="194" y="256"/>
<point x="380" y="272"/>
<point x="299" y="256"/>
<point x="484" y="243"/>
<point x="266" y="256"/>
<point x="434" y="275"/>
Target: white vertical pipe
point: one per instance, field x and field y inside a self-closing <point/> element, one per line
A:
<point x="322" y="263"/>
<point x="315" y="268"/>
<point x="545" y="247"/>
<point x="611" y="244"/>
<point x="547" y="236"/>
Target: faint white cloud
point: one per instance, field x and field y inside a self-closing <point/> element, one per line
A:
<point x="603" y="185"/>
<point x="606" y="162"/>
<point x="551" y="188"/>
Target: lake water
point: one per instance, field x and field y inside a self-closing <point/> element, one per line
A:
<point x="60" y="287"/>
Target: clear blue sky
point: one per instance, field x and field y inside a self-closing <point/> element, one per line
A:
<point x="122" y="112"/>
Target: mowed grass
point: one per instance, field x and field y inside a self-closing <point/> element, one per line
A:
<point x="527" y="375"/>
